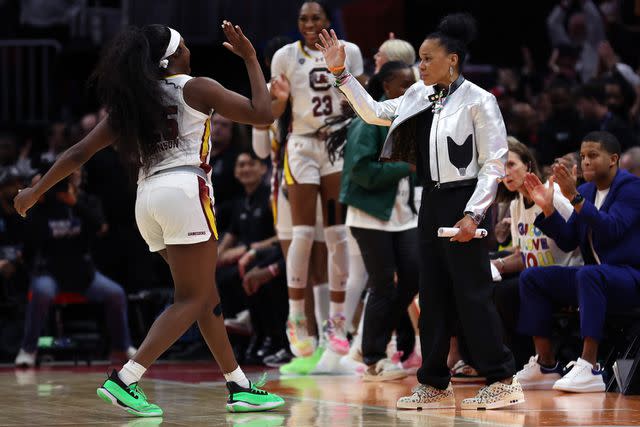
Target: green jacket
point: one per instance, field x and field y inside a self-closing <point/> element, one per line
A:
<point x="367" y="183"/>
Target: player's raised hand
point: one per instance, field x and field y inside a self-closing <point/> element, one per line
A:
<point x="237" y="42"/>
<point x="332" y="50"/>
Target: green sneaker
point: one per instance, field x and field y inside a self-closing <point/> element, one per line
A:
<point x="130" y="398"/>
<point x="291" y="368"/>
<point x="303" y="365"/>
<point x="255" y="420"/>
<point x="251" y="399"/>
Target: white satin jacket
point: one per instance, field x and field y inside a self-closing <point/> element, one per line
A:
<point x="468" y="139"/>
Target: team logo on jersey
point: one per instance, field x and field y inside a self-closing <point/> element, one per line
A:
<point x="301" y="61"/>
<point x="319" y="79"/>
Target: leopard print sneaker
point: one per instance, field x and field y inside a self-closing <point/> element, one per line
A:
<point x="496" y="395"/>
<point x="427" y="397"/>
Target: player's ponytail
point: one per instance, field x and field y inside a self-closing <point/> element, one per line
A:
<point x="126" y="81"/>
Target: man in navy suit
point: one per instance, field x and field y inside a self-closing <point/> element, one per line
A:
<point x="605" y="225"/>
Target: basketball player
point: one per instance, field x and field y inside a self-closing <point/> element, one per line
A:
<point x="270" y="141"/>
<point x="159" y="118"/>
<point x="300" y="74"/>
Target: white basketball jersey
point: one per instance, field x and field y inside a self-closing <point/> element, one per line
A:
<point x="185" y="137"/>
<point x="313" y="97"/>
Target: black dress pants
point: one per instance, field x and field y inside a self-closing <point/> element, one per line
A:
<point x="455" y="284"/>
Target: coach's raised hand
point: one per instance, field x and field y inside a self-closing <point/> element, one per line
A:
<point x="333" y="51"/>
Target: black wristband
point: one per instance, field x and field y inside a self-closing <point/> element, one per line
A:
<point x="577" y="200"/>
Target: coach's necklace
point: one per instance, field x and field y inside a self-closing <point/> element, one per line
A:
<point x="438" y="100"/>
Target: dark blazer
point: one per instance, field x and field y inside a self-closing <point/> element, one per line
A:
<point x="615" y="227"/>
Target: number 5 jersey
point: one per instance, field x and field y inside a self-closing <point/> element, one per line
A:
<point x="184" y="137"/>
<point x="312" y="95"/>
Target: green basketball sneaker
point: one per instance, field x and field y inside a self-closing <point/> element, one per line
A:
<point x="303" y="365"/>
<point x="251" y="399"/>
<point x="130" y="398"/>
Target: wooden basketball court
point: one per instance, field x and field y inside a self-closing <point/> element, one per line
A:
<point x="193" y="394"/>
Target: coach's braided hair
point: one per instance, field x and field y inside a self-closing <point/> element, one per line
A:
<point x="126" y="80"/>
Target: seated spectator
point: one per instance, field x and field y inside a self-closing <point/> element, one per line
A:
<point x="251" y="231"/>
<point x="267" y="267"/>
<point x="531" y="247"/>
<point x="605" y="224"/>
<point x="630" y="161"/>
<point x="592" y="104"/>
<point x="225" y="146"/>
<point x="58" y="231"/>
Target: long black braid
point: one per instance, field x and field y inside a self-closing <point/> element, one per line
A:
<point x="334" y="132"/>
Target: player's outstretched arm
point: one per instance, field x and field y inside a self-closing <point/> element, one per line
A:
<point x="77" y="155"/>
<point x="206" y="91"/>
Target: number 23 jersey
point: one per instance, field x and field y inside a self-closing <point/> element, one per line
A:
<point x="313" y="97"/>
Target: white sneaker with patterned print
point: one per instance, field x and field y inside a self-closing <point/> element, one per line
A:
<point x="427" y="397"/>
<point x="496" y="395"/>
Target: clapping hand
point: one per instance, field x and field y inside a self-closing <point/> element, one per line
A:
<point x="566" y="180"/>
<point x="542" y="195"/>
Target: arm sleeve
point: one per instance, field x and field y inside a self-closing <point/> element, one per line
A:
<point x="491" y="145"/>
<point x="561" y="203"/>
<point x="261" y="142"/>
<point x="564" y="233"/>
<point x="369" y="110"/>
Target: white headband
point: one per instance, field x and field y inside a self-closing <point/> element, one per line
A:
<point x="174" y="42"/>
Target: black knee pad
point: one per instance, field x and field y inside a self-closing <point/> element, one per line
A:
<point x="217" y="310"/>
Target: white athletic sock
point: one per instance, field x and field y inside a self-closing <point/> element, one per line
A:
<point x="131" y="372"/>
<point x="338" y="263"/>
<point x="296" y="308"/>
<point x="238" y="377"/>
<point x="336" y="308"/>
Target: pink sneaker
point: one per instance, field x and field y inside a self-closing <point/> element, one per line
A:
<point x="413" y="363"/>
<point x="334" y="332"/>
